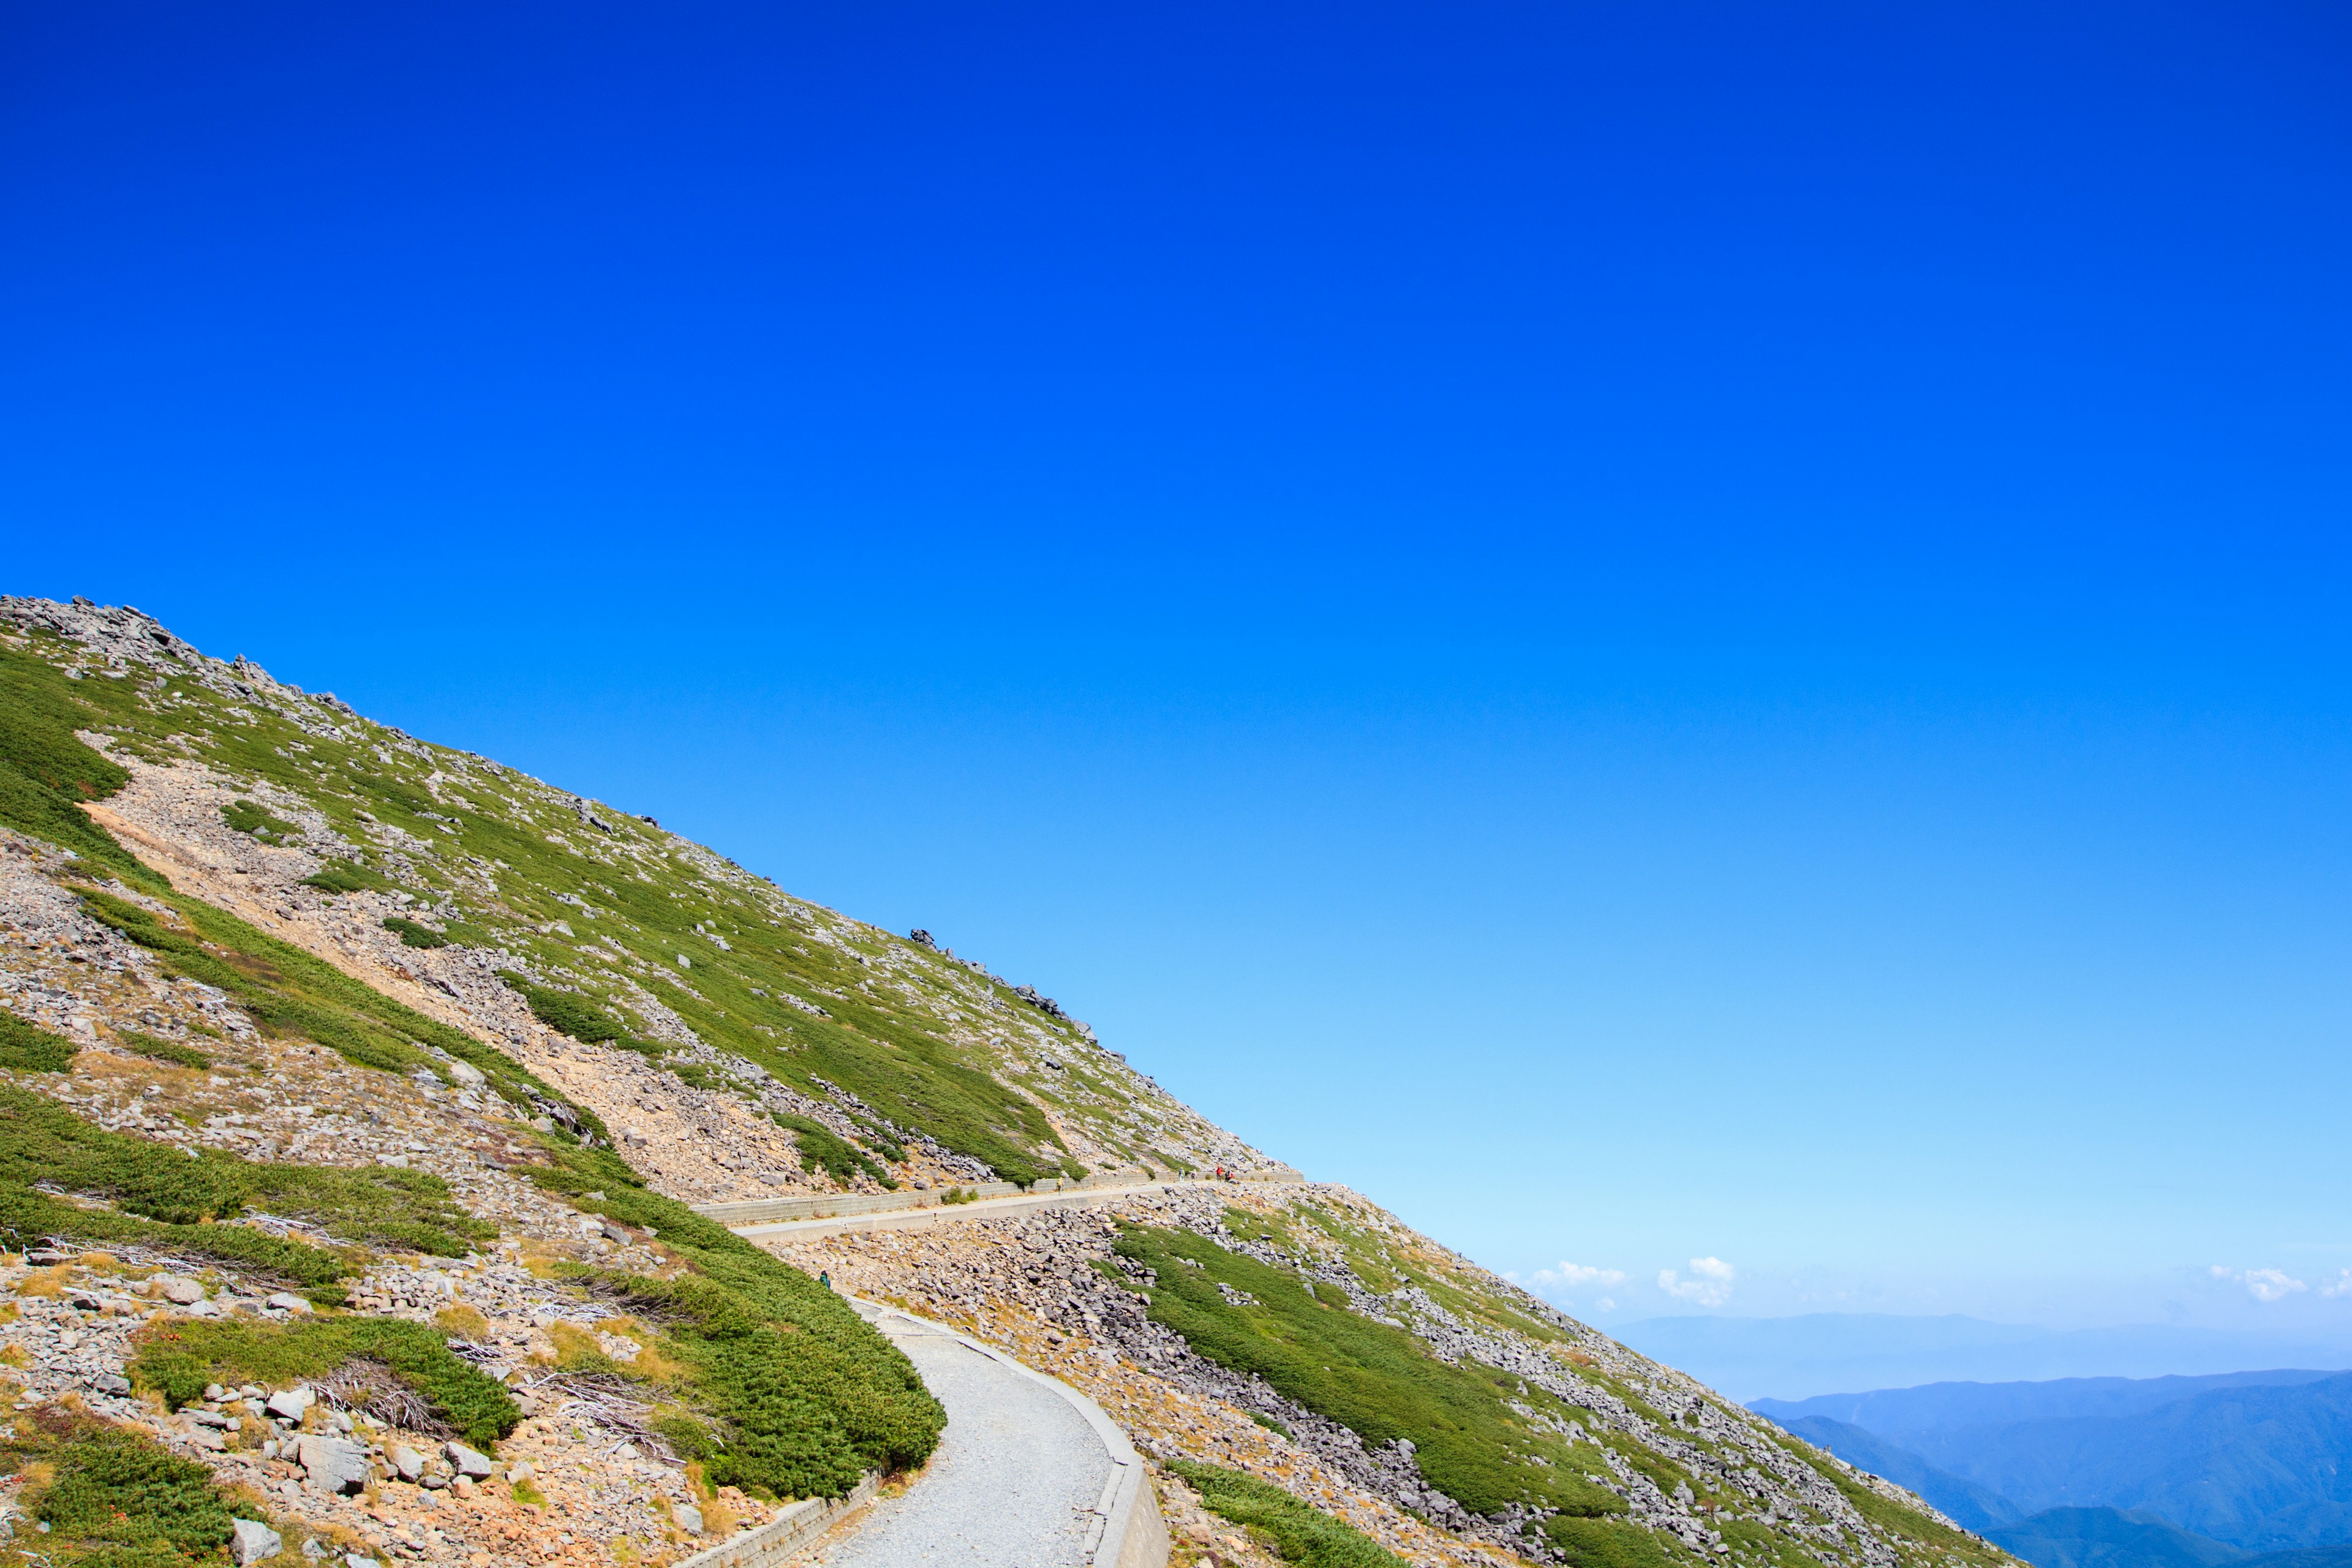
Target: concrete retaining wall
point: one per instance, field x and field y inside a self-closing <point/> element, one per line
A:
<point x="766" y="1211"/>
<point x="841" y="1205"/>
<point x="799" y="1524"/>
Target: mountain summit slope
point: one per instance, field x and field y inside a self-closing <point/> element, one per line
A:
<point x="407" y="1002"/>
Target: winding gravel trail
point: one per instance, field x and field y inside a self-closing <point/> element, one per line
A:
<point x="1018" y="1481"/>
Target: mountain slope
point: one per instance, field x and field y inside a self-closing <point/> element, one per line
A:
<point x="2107" y="1538"/>
<point x="1975" y="1507"/>
<point x="504" y="989"/>
<point x="1901" y="1413"/>
<point x="2257" y="1460"/>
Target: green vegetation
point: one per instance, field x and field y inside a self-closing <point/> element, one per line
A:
<point x="162" y="1050"/>
<point x="346" y="876"/>
<point x="564" y="1011"/>
<point x="177" y="1357"/>
<point x="110" y="1498"/>
<point x="163" y="1194"/>
<point x="1605" y="1542"/>
<point x="1381" y="1383"/>
<point x="1892" y="1517"/>
<point x="46" y="773"/>
<point x="294" y="995"/>
<point x="28" y="1048"/>
<point x="809" y="1394"/>
<point x="806" y="1395"/>
<point x="840" y="1159"/>
<point x="413" y="934"/>
<point x="1301" y="1533"/>
<point x="244" y="816"/>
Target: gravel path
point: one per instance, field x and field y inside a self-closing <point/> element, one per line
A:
<point x="1013" y="1484"/>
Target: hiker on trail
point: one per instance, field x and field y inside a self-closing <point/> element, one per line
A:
<point x="824" y="1278"/>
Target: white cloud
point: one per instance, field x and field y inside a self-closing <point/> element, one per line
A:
<point x="1576" y="1277"/>
<point x="1709" y="1285"/>
<point x="2274" y="1284"/>
<point x="2339" y="1286"/>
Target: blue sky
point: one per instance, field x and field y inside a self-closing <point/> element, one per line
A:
<point x="1653" y="634"/>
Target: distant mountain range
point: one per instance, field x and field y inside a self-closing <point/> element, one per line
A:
<point x="1825" y="1353"/>
<point x="2180" y="1472"/>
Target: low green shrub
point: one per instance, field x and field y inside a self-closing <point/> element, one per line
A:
<point x="245" y="816"/>
<point x="821" y="1148"/>
<point x="177" y="1357"/>
<point x="374" y="1204"/>
<point x="46" y="773"/>
<point x="803" y="1403"/>
<point x="1302" y="1533"/>
<point x="565" y="1012"/>
<point x="1381" y="1383"/>
<point x="111" y="1498"/>
<point x="28" y="1048"/>
<point x="346" y="876"/>
<point x="162" y="1050"/>
<point x="413" y="934"/>
<point x="1605" y="1542"/>
<point x="292" y="994"/>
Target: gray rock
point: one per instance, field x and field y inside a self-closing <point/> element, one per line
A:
<point x="206" y="1418"/>
<point x="287" y="1302"/>
<point x="253" y="1541"/>
<point x="522" y="1472"/>
<point x="180" y="1292"/>
<point x="333" y="1464"/>
<point x="292" y="1404"/>
<point x="107" y="1383"/>
<point x="471" y="1463"/>
<point x="408" y="1463"/>
<point x="466" y="1075"/>
<point x="688" y="1517"/>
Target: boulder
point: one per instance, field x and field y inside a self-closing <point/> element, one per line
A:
<point x="251" y="1540"/>
<point x="408" y="1463"/>
<point x="688" y="1517"/>
<point x="291" y="1404"/>
<point x="333" y="1464"/>
<point x="178" y="1289"/>
<point x="471" y="1463"/>
<point x="287" y="1302"/>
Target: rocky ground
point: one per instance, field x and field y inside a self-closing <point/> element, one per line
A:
<point x="597" y="1493"/>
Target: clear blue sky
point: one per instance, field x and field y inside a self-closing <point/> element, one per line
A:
<point x="1729" y="622"/>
